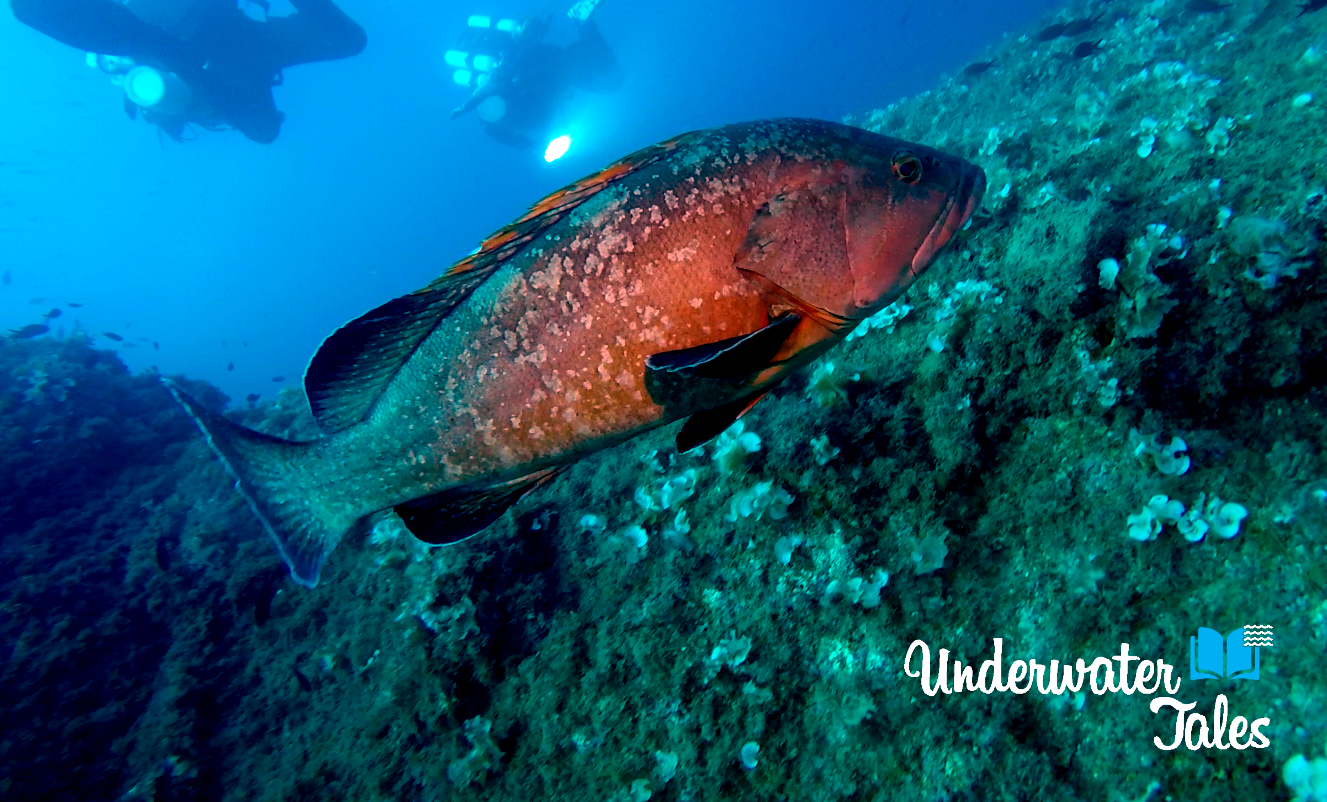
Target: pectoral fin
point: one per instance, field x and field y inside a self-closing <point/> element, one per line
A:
<point x="454" y="515"/>
<point x="709" y="375"/>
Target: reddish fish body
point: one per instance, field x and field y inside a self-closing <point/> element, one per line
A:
<point x="683" y="281"/>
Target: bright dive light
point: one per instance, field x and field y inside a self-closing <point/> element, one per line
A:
<point x="557" y="148"/>
<point x="145" y="86"/>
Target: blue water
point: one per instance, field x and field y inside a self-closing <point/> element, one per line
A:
<point x="224" y="251"/>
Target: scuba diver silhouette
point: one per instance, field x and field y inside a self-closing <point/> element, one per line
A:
<point x="519" y="82"/>
<point x="197" y="61"/>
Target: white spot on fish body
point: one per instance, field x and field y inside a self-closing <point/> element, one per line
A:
<point x="684" y="254"/>
<point x="695" y="303"/>
<point x="611" y="242"/>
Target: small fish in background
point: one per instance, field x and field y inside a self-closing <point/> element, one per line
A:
<point x="303" y="681"/>
<point x="978" y="67"/>
<point x="110" y="335"/>
<point x="28" y="332"/>
<point x="1206" y="7"/>
<point x="1052" y="32"/>
<point x="1312" y="5"/>
<point x="252" y="398"/>
<point x="74" y="305"/>
<point x="1083" y="50"/>
<point x="230" y="366"/>
<point x="156" y="346"/>
<point x="54" y="313"/>
<point x="1079" y="27"/>
<point x="36" y="302"/>
<point x="278" y="379"/>
<point x="6" y="279"/>
<point x="130" y="345"/>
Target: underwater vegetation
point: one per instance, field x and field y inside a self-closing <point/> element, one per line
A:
<point x="1099" y="418"/>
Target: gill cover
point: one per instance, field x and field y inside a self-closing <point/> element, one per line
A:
<point x="796" y="249"/>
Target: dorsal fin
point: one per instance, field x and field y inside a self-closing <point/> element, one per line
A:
<point x="354" y="365"/>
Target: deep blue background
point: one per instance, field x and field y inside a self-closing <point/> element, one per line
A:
<point x="371" y="191"/>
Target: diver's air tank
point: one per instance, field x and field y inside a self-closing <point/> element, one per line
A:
<point x="470" y="79"/>
<point x="463" y="60"/>
<point x="510" y="26"/>
<point x="157" y="90"/>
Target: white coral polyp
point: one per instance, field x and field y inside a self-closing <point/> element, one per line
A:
<point x="1227" y="519"/>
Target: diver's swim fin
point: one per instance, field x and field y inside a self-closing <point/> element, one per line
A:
<point x="582" y="10"/>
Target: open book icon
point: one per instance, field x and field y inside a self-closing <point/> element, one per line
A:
<point x="1207" y="650"/>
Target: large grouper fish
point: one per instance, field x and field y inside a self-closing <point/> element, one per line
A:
<point x="681" y="282"/>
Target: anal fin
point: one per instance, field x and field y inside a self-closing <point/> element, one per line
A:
<point x="455" y="515"/>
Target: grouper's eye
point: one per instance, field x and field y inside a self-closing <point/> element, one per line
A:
<point x="907" y="168"/>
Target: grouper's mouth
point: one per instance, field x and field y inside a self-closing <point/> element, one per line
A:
<point x="962" y="203"/>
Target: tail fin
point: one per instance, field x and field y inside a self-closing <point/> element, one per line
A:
<point x="266" y="475"/>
